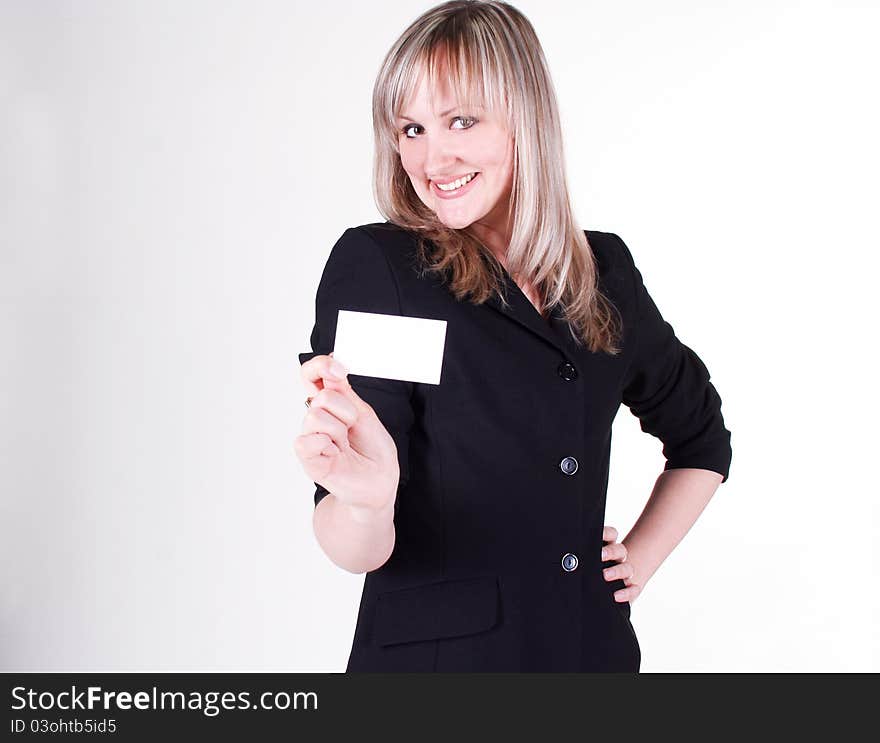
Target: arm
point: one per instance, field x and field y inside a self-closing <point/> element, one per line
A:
<point x="359" y="277"/>
<point x="667" y="386"/>
<point x="678" y="498"/>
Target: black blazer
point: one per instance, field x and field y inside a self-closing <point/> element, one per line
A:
<point x="504" y="465"/>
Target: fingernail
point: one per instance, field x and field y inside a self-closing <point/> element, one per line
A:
<point x="604" y="554"/>
<point x="337" y="370"/>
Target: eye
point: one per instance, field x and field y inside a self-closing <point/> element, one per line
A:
<point x="406" y="129"/>
<point x="470" y="119"/>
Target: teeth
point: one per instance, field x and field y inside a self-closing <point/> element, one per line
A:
<point x="457" y="183"/>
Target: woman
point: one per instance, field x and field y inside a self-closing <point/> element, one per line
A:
<point x="475" y="506"/>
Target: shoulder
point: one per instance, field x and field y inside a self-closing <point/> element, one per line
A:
<point x="371" y="265"/>
<point x="369" y="249"/>
<point x="385" y="232"/>
<point x="384" y="242"/>
<point x="608" y="249"/>
<point x="614" y="263"/>
<point x="387" y="237"/>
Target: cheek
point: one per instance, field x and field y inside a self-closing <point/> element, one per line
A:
<point x="497" y="154"/>
<point x="410" y="162"/>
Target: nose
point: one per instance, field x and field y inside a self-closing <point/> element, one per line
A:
<point x="439" y="157"/>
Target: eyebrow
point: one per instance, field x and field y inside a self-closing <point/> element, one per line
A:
<point x="445" y="113"/>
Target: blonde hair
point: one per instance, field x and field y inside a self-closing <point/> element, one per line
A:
<point x="494" y="59"/>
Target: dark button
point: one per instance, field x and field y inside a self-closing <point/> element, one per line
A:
<point x="569" y="465"/>
<point x="567" y="371"/>
<point x="569" y="562"/>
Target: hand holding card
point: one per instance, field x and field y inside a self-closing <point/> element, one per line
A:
<point x="344" y="446"/>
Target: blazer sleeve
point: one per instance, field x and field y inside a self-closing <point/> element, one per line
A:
<point x="358" y="276"/>
<point x="667" y="387"/>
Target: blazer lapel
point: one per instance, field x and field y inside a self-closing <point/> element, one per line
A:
<point x="522" y="311"/>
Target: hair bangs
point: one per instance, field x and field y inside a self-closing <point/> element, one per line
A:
<point x="451" y="62"/>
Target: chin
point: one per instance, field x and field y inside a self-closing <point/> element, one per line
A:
<point x="458" y="224"/>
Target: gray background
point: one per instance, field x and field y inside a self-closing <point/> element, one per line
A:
<point x="172" y="177"/>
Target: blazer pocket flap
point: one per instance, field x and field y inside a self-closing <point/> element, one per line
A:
<point x="450" y="608"/>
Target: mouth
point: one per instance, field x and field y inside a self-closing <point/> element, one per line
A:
<point x="455" y="188"/>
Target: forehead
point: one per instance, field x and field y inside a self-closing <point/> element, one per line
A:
<point x="438" y="90"/>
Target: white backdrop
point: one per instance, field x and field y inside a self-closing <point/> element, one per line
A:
<point x="172" y="177"/>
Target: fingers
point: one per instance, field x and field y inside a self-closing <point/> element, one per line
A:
<point x="320" y="369"/>
<point x="624" y="570"/>
<point x="609" y="534"/>
<point x="615" y="551"/>
<point x="311" y="445"/>
<point x="627" y="594"/>
<point x="319" y="373"/>
<point x="319" y="420"/>
<point x="337" y="403"/>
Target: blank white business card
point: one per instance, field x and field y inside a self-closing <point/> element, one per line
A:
<point x="390" y="346"/>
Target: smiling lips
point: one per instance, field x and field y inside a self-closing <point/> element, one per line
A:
<point x="454" y="188"/>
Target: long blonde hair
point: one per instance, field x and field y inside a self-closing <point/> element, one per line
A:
<point x="493" y="58"/>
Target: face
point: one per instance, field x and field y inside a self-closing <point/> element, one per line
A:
<point x="442" y="144"/>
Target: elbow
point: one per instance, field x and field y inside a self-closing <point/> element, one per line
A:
<point x="708" y="453"/>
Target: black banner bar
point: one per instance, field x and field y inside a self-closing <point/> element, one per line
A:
<point x="144" y="706"/>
